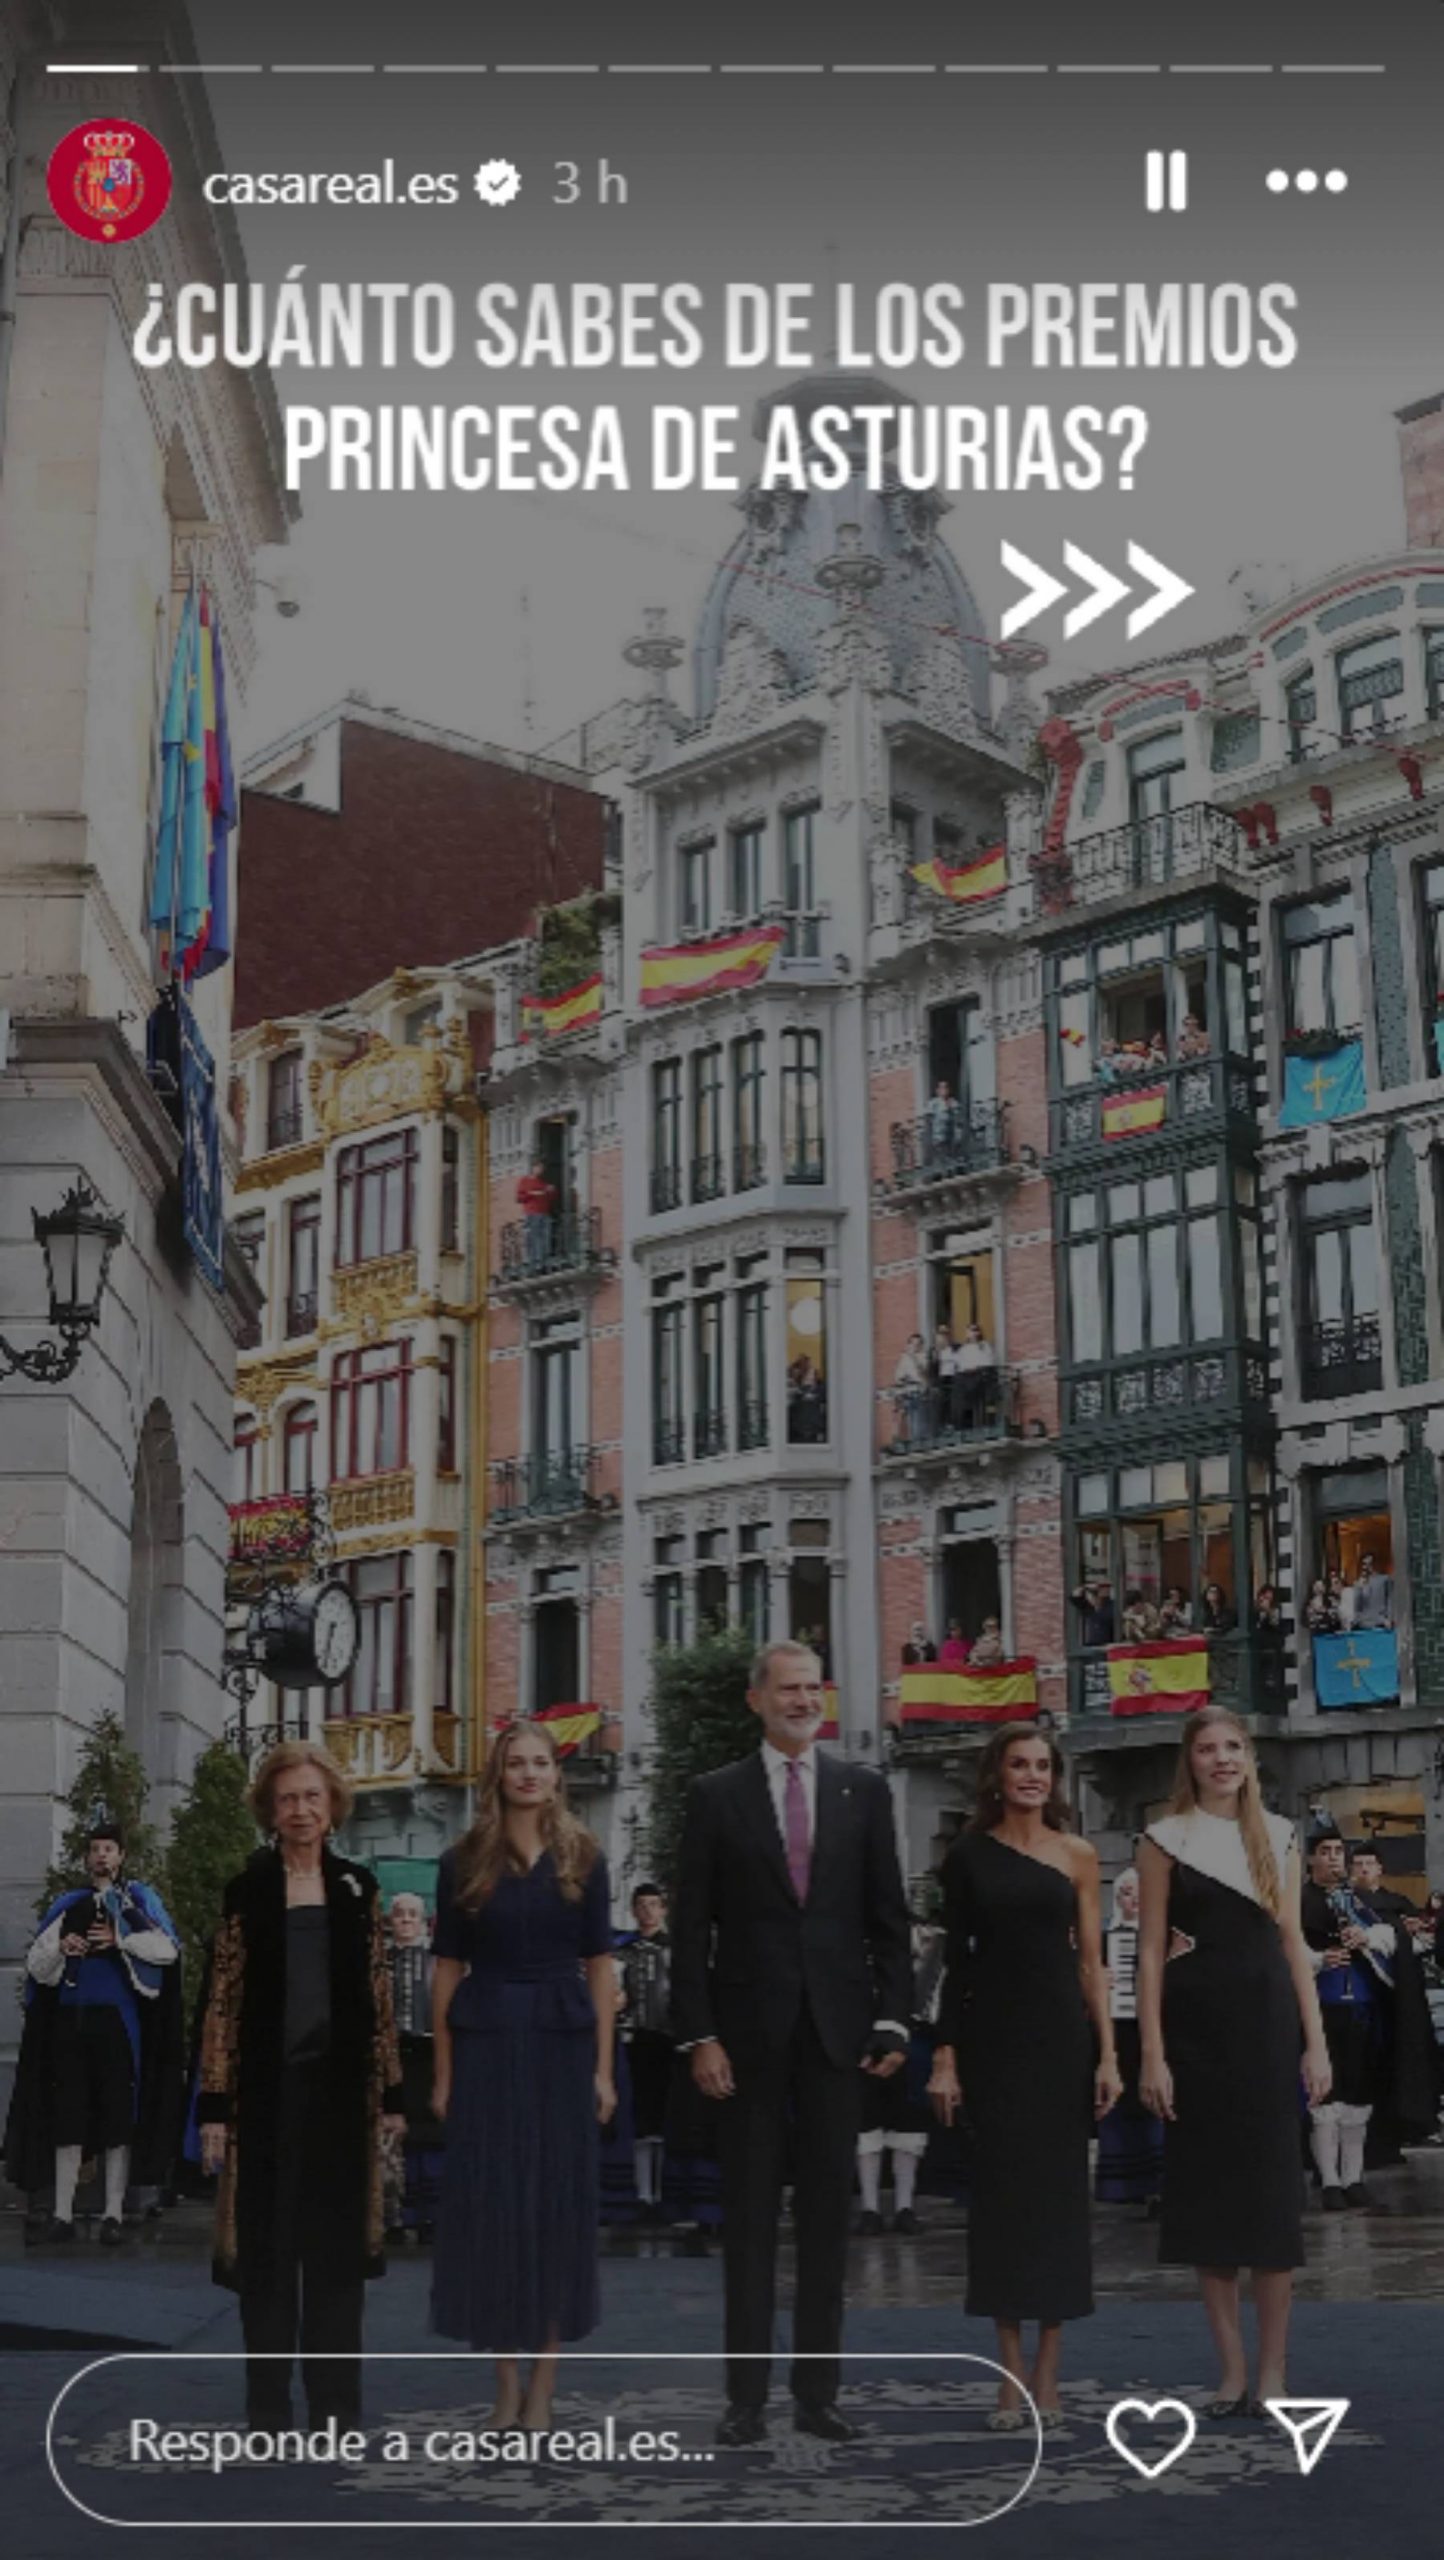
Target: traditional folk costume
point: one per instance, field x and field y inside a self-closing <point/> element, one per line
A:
<point x="412" y="2161"/>
<point x="1376" y="2025"/>
<point x="100" y="2055"/>
<point x="647" y="1977"/>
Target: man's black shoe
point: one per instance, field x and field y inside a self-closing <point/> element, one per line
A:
<point x="1358" y="2194"/>
<point x="1333" y="2199"/>
<point x="58" y="2229"/>
<point x="827" y="2422"/>
<point x="869" y="2224"/>
<point x="907" y="2223"/>
<point x="111" y="2234"/>
<point x="740" y="2426"/>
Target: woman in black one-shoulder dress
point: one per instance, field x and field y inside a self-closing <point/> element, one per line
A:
<point x="1024" y="2012"/>
<point x="1228" y="2021"/>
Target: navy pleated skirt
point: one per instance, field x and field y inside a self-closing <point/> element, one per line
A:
<point x="515" y="2263"/>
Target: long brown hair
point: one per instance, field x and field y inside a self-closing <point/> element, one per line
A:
<point x="485" y="1854"/>
<point x="988" y="1811"/>
<point x="1263" y="1866"/>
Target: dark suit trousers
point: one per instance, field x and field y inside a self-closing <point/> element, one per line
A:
<point x="789" y="2101"/>
<point x="296" y="2300"/>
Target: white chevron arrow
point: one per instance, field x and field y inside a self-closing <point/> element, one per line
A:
<point x="1171" y="590"/>
<point x="1043" y="590"/>
<point x="1107" y="590"/>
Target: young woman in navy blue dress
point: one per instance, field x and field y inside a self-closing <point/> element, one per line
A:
<point x="524" y="2012"/>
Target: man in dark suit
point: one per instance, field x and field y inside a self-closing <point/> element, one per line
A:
<point x="791" y="1975"/>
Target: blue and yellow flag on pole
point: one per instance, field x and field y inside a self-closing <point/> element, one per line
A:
<point x="1323" y="1088"/>
<point x="1357" y="1669"/>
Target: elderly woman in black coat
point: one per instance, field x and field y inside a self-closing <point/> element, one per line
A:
<point x="300" y="2078"/>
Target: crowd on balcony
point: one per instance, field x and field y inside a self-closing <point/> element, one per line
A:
<point x="945" y="1390"/>
<point x="1335" y="1606"/>
<point x="1142" y="1620"/>
<point x="957" y="1652"/>
<point x="1129" y="1061"/>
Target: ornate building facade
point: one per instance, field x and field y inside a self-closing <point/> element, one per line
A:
<point x="120" y="484"/>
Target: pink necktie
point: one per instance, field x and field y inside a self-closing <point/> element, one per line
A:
<point x="799" y="1836"/>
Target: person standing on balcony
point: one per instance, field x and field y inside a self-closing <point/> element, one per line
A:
<point x="975" y="1374"/>
<point x="909" y="1387"/>
<point x="1097" y="1621"/>
<point x="1175" y="1618"/>
<point x="1217" y="1616"/>
<point x="919" y="1647"/>
<point x="943" y="1362"/>
<point x="524" y="2022"/>
<point x="942" y="1121"/>
<point x="1193" y="1040"/>
<point x="954" y="1652"/>
<point x="1140" y="1619"/>
<point x="987" y="1650"/>
<point x="1227" y="2012"/>
<point x="537" y="1200"/>
<point x="1373" y="1597"/>
<point x="1025" y="2045"/>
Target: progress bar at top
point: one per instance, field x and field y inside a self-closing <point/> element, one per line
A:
<point x="756" y="70"/>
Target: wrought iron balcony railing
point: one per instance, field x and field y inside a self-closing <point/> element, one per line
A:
<point x="1144" y="853"/>
<point x="947" y="1142"/>
<point x="709" y="1178"/>
<point x="955" y="1413"/>
<point x="1165" y="1382"/>
<point x="749" y="1166"/>
<point x="1341" y="1357"/>
<point x="805" y="1164"/>
<point x="709" y="1433"/>
<point x="545" y="1486"/>
<point x="534" y="1248"/>
<point x="752" y="1423"/>
<point x="669" y="1442"/>
<point x="666" y="1187"/>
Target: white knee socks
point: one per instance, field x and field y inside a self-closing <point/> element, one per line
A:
<point x="117" y="2178"/>
<point x="869" y="2176"/>
<point x="904" y="2179"/>
<point x="1353" y="2127"/>
<point x="67" y="2179"/>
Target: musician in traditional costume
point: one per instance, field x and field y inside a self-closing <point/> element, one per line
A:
<point x="1352" y="1952"/>
<point x="100" y="2056"/>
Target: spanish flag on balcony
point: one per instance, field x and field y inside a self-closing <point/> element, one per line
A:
<point x="547" y="1017"/>
<point x="709" y="968"/>
<point x="1159" y="1679"/>
<point x="827" y="1730"/>
<point x="985" y="878"/>
<point x="1132" y="1114"/>
<point x="929" y="1695"/>
<point x="569" y="1726"/>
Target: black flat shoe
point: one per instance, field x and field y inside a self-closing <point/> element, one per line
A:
<point x="739" y="2426"/>
<point x="59" y="2229"/>
<point x="907" y="2223"/>
<point x="869" y="2225"/>
<point x="1357" y="2195"/>
<point x="111" y="2233"/>
<point x="1333" y="2199"/>
<point x="1242" y="2407"/>
<point x="828" y="2423"/>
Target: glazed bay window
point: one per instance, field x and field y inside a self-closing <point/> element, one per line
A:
<point x="370" y="1410"/>
<point x="668" y="1618"/>
<point x="752" y="1353"/>
<point x="799" y="883"/>
<point x="376" y="1198"/>
<point x="806" y="1348"/>
<point x="1341" y="1353"/>
<point x="380" y="1680"/>
<point x="1321" y="970"/>
<point x="667" y="1134"/>
<point x="744" y="871"/>
<point x="749" y="1097"/>
<point x="1371" y="686"/>
<point x="299" y="1440"/>
<point x="694" y="886"/>
<point x="709" y="1169"/>
<point x="709" y="1363"/>
<point x="1146" y="1268"/>
<point x="283" y="1100"/>
<point x="1195" y="1535"/>
<point x="303" y="1263"/>
<point x="803" y="1156"/>
<point x="1301" y="715"/>
<point x="669" y="1388"/>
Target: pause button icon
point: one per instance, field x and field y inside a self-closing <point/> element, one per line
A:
<point x="1166" y="185"/>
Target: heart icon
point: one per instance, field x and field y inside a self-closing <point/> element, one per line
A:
<point x="1151" y="2412"/>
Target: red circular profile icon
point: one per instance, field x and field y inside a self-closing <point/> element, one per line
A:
<point x="109" y="179"/>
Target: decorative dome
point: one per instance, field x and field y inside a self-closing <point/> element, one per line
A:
<point x="768" y="576"/>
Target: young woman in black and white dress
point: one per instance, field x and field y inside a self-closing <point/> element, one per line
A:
<point x="1228" y="2019"/>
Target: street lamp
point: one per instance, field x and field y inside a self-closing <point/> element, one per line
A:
<point x="77" y="1240"/>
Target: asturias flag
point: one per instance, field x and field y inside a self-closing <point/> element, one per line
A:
<point x="709" y="968"/>
<point x="930" y="1695"/>
<point x="550" y="1016"/>
<point x="1131" y="1112"/>
<point x="987" y="877"/>
<point x="1323" y="1088"/>
<point x="1358" y="1669"/>
<point x="1165" y="1679"/>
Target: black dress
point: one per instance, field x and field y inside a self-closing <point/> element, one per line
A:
<point x="1232" y="2165"/>
<point x="1013" y="2010"/>
<point x="515" y="2267"/>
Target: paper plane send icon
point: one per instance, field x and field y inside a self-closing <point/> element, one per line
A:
<point x="1312" y="2424"/>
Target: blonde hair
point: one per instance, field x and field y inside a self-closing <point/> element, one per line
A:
<point x="1263" y="1866"/>
<point x="298" y="1755"/>
<point x="485" y="1854"/>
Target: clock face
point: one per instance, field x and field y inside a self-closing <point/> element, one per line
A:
<point x="334" y="1633"/>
